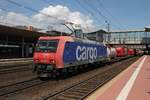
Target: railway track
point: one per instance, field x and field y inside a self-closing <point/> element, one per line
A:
<point x="12" y="63"/>
<point x="15" y="65"/>
<point x="18" y="87"/>
<point x="15" y="59"/>
<point x="66" y="91"/>
<point x="16" y="69"/>
<point x="82" y="89"/>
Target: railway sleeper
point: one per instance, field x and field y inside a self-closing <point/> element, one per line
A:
<point x="91" y="86"/>
<point x="87" y="88"/>
<point x="79" y="91"/>
<point x="74" y="93"/>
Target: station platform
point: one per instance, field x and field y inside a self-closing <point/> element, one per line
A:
<point x="131" y="84"/>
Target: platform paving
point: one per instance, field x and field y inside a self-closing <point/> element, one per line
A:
<point x="131" y="84"/>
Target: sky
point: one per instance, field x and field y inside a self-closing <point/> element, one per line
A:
<point x="91" y="15"/>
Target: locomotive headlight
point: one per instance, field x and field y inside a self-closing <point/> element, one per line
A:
<point x="52" y="61"/>
<point x="36" y="60"/>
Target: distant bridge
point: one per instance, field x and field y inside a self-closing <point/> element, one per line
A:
<point x="132" y="39"/>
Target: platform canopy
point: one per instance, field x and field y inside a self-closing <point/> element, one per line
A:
<point x="147" y="29"/>
<point x="6" y="30"/>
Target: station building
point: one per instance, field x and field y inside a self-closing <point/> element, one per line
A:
<point x="16" y="42"/>
<point x="96" y="36"/>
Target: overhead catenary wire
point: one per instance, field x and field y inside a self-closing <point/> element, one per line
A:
<point x="37" y="11"/>
<point x="65" y="24"/>
<point x="88" y="11"/>
<point x="101" y="5"/>
<point x="62" y="22"/>
<point x="105" y="18"/>
<point x="31" y="9"/>
<point x="80" y="5"/>
<point x="95" y="9"/>
<point x="92" y="11"/>
<point x="46" y="2"/>
<point x="5" y="10"/>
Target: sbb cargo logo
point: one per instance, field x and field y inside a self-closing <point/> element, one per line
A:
<point x="86" y="53"/>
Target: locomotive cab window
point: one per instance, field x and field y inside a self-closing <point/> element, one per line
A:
<point x="47" y="45"/>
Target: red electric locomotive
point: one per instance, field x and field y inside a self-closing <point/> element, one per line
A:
<point x="49" y="53"/>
